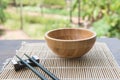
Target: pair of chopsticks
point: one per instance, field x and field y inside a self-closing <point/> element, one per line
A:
<point x="40" y="66"/>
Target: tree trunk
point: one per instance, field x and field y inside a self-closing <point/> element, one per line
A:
<point x="71" y="16"/>
<point x="79" y="13"/>
<point x="21" y="14"/>
<point x="14" y="2"/>
<point x="70" y="10"/>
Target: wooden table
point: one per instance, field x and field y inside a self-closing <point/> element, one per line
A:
<point x="8" y="48"/>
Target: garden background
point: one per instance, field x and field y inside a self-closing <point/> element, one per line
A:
<point x="30" y="19"/>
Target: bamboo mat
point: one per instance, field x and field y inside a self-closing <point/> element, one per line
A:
<point x="97" y="64"/>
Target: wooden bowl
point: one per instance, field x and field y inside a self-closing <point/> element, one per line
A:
<point x="70" y="42"/>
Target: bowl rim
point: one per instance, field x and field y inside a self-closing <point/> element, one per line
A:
<point x="46" y="35"/>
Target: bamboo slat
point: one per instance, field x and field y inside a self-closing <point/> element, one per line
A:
<point x="97" y="64"/>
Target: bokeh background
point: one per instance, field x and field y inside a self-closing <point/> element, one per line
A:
<point x="30" y="19"/>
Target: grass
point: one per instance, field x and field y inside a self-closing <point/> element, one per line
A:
<point x="34" y="31"/>
<point x="101" y="28"/>
<point x="12" y="24"/>
<point x="63" y="12"/>
<point x="34" y="26"/>
<point x="43" y="10"/>
<point x="46" y="10"/>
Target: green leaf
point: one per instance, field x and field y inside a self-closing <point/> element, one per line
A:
<point x="75" y="4"/>
<point x="96" y="12"/>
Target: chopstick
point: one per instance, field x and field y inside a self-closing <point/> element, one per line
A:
<point x="34" y="70"/>
<point x="44" y="69"/>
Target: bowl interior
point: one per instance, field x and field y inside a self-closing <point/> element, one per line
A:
<point x="70" y="34"/>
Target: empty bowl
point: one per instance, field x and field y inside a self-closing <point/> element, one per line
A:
<point x="70" y="42"/>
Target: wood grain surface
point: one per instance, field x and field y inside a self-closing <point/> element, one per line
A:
<point x="70" y="42"/>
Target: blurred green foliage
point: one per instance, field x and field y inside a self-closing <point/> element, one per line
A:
<point x="29" y="2"/>
<point x="25" y="2"/>
<point x="101" y="27"/>
<point x="56" y="3"/>
<point x="104" y="14"/>
<point x="34" y="26"/>
<point x="56" y="11"/>
<point x="60" y="3"/>
<point x="2" y="16"/>
<point x="2" y="7"/>
<point x="13" y="21"/>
